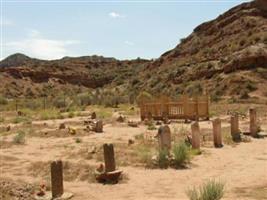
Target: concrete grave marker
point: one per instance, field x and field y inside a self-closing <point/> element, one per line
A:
<point x="195" y="135"/>
<point x="164" y="136"/>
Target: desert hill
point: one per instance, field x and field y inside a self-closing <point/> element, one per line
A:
<point x="225" y="57"/>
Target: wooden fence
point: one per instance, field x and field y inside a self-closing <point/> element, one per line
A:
<point x="183" y="108"/>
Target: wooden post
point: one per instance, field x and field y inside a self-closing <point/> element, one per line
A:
<point x="185" y="106"/>
<point x="253" y="122"/>
<point x="57" y="179"/>
<point x="195" y="135"/>
<point x="235" y="133"/>
<point x="217" y="135"/>
<point x="196" y="117"/>
<point x="16" y="101"/>
<point x="109" y="158"/>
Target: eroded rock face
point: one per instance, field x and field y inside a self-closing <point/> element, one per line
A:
<point x="261" y="4"/>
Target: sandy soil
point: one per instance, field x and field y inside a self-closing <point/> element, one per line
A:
<point x="243" y="167"/>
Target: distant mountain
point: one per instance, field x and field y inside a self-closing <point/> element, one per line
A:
<point x="225" y="57"/>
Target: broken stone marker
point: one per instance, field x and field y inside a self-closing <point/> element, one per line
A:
<point x="109" y="174"/>
<point x="164" y="136"/>
<point x="57" y="179"/>
<point x="253" y="122"/>
<point x="217" y="136"/>
<point x="195" y="135"/>
<point x="235" y="128"/>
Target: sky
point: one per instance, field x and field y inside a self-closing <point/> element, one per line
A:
<point x="124" y="29"/>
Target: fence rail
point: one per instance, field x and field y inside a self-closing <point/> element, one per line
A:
<point x="183" y="108"/>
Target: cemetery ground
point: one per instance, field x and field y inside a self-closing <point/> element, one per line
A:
<point x="31" y="141"/>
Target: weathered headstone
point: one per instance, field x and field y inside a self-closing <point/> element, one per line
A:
<point x="164" y="136"/>
<point x="57" y="179"/>
<point x="235" y="133"/>
<point x="195" y="135"/>
<point x="217" y="135"/>
<point x="109" y="158"/>
<point x="93" y="115"/>
<point x="99" y="126"/>
<point x="253" y="122"/>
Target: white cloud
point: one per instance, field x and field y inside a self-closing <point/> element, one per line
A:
<point x="115" y="15"/>
<point x="129" y="43"/>
<point x="6" y="22"/>
<point x="37" y="46"/>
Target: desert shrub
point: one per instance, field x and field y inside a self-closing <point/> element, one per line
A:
<point x="143" y="96"/>
<point x="71" y="114"/>
<point x="19" y="138"/>
<point x="85" y="99"/>
<point x="145" y="154"/>
<point x="2" y="119"/>
<point x="49" y="114"/>
<point x="151" y="126"/>
<point x="20" y="119"/>
<point x="211" y="190"/>
<point x="3" y="100"/>
<point x="59" y="102"/>
<point x="244" y="94"/>
<point x="163" y="160"/>
<point x="78" y="140"/>
<point x="194" y="88"/>
<point x="181" y="154"/>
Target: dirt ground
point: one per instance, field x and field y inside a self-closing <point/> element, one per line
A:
<point x="242" y="167"/>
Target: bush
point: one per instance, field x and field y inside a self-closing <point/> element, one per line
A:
<point x="20" y="119"/>
<point x="3" y="101"/>
<point x="181" y="154"/>
<point x="85" y="99"/>
<point x="71" y="114"/>
<point x="143" y="96"/>
<point x="19" y="138"/>
<point x="78" y="140"/>
<point x="211" y="190"/>
<point x="163" y="160"/>
<point x="49" y="114"/>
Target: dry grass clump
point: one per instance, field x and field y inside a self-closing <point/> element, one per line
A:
<point x="211" y="190"/>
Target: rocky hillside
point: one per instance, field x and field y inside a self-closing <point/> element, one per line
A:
<point x="225" y="57"/>
<point x="24" y="76"/>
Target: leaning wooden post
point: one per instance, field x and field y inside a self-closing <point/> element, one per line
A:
<point x="195" y="135"/>
<point x="235" y="133"/>
<point x="217" y="134"/>
<point x="57" y="179"/>
<point x="109" y="158"/>
<point x="253" y="122"/>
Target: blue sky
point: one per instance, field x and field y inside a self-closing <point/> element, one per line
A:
<point x="121" y="29"/>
